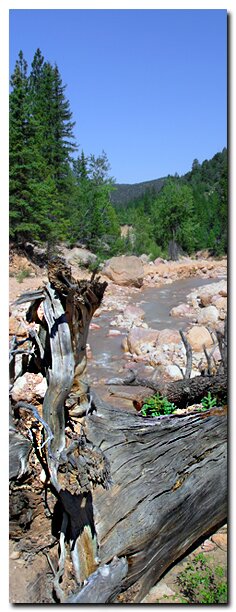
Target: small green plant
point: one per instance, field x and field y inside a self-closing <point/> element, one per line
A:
<point x="208" y="401"/>
<point x="157" y="405"/>
<point x="202" y="584"/>
<point x="24" y="273"/>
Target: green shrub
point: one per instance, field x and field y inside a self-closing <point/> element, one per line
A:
<point x="23" y="273"/>
<point x="201" y="584"/>
<point x="208" y="401"/>
<point x="157" y="405"/>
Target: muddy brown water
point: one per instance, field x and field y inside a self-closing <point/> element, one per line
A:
<point x="108" y="357"/>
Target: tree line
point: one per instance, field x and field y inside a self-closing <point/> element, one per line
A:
<point x="58" y="195"/>
<point x="188" y="214"/>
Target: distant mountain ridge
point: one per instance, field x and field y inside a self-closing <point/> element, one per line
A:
<point x="207" y="170"/>
<point x="124" y="193"/>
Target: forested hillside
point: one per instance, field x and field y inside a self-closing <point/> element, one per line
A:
<point x="125" y="193"/>
<point x="190" y="210"/>
<point x="58" y="195"/>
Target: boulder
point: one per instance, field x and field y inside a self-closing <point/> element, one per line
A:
<point x="182" y="310"/>
<point x="29" y="387"/>
<point x="169" y="336"/>
<point x="141" y="340"/>
<point x="94" y="326"/>
<point x="145" y="258"/>
<point x="125" y="270"/>
<point x="220" y="539"/>
<point x="173" y="372"/>
<point x="199" y="336"/>
<point x="209" y="314"/>
<point x="158" y="261"/>
<point x="206" y="293"/>
<point x="114" y="332"/>
<point x="17" y="327"/>
<point x="133" y="314"/>
<point x="204" y="254"/>
<point x="219" y="302"/>
<point x="223" y="290"/>
<point x="78" y="256"/>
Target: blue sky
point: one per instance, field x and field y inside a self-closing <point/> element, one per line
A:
<point x="147" y="86"/>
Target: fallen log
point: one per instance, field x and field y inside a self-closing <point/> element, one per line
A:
<point x="181" y="392"/>
<point x="169" y="487"/>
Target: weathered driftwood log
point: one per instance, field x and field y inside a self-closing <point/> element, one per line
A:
<point x="169" y="487"/>
<point x="68" y="309"/>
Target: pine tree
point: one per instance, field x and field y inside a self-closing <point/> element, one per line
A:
<point x="64" y="143"/>
<point x="174" y="219"/>
<point x="41" y="140"/>
<point x="22" y="223"/>
<point x="95" y="221"/>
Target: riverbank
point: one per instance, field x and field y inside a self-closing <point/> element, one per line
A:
<point x="138" y="328"/>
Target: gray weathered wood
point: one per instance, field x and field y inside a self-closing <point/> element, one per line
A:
<point x="102" y="584"/>
<point x="61" y="373"/>
<point x="169" y="487"/>
<point x="19" y="450"/>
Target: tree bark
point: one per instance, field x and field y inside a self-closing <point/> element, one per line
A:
<point x="169" y="487"/>
<point x="182" y="393"/>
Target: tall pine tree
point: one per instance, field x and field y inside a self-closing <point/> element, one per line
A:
<point x="41" y="141"/>
<point x="21" y="155"/>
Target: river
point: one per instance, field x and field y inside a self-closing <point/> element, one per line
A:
<point x="108" y="357"/>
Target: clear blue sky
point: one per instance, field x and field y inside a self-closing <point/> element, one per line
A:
<point x="147" y="86"/>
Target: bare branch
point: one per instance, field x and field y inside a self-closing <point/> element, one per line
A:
<point x="189" y="355"/>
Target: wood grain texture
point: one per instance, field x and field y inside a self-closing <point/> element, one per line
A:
<point x="102" y="584"/>
<point x="169" y="487"/>
<point x="61" y="374"/>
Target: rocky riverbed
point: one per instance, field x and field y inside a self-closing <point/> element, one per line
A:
<point x="137" y="328"/>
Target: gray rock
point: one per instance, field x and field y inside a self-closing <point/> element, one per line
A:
<point x="78" y="256"/>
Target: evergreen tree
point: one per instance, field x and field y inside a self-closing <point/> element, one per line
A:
<point x="21" y="155"/>
<point x="63" y="125"/>
<point x="173" y="216"/>
<point x="94" y="221"/>
<point x="41" y="142"/>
